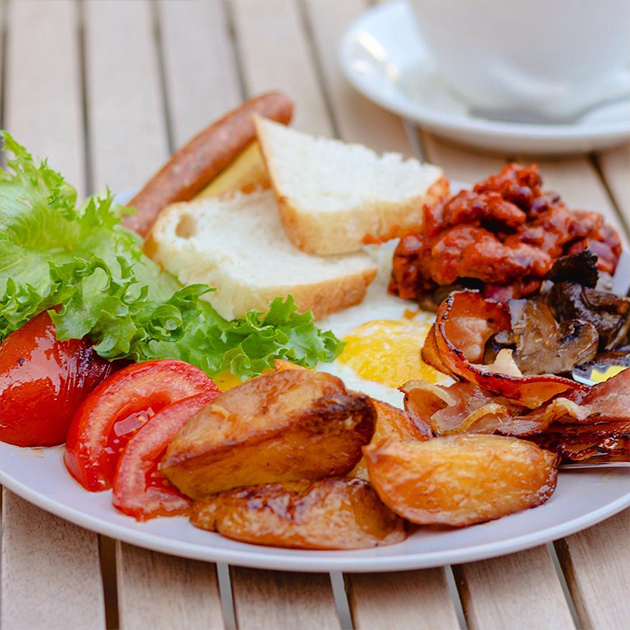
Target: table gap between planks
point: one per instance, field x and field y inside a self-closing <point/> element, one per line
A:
<point x="107" y="89"/>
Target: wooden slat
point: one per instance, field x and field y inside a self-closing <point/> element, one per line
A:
<point x="126" y="119"/>
<point x="596" y="563"/>
<point x="463" y="164"/>
<point x="615" y="165"/>
<point x="518" y="591"/>
<point x="50" y="571"/>
<point x="50" y="568"/>
<point x="413" y="599"/>
<point x="43" y="95"/>
<point x="274" y="54"/>
<point x="356" y="118"/>
<point x="159" y="591"/>
<point x="277" y="599"/>
<point x="200" y="68"/>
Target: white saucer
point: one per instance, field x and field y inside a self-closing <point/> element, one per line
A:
<point x="382" y="54"/>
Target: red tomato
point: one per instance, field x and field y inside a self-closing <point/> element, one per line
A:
<point x="43" y="381"/>
<point x="140" y="489"/>
<point x="114" y="411"/>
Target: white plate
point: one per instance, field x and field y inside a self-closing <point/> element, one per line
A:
<point x="382" y="54"/>
<point x="583" y="498"/>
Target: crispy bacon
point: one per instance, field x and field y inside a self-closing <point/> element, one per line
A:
<point x="455" y="345"/>
<point x="577" y="425"/>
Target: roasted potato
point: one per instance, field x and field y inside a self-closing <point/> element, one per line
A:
<point x="460" y="480"/>
<point x="326" y="514"/>
<point x="392" y="422"/>
<point x="283" y="426"/>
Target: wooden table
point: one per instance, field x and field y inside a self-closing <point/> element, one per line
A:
<point x="108" y="89"/>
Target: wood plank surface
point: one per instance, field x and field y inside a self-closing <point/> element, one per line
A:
<point x="410" y="599"/>
<point x="279" y="599"/>
<point x="127" y="126"/>
<point x="50" y="568"/>
<point x="43" y="89"/>
<point x="50" y="571"/>
<point x="275" y="55"/>
<point x="615" y="166"/>
<point x="202" y="81"/>
<point x="160" y="591"/>
<point x="356" y="118"/>
<point x="596" y="563"/>
<point x="519" y="591"/>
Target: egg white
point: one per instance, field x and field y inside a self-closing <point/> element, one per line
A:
<point x="378" y="304"/>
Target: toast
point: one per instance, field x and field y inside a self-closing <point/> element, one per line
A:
<point x="237" y="245"/>
<point x="334" y="197"/>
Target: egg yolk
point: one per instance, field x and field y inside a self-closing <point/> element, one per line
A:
<point x="388" y="351"/>
<point x="226" y="380"/>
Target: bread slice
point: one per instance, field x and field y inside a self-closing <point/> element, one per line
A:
<point x="333" y="195"/>
<point x="237" y="245"/>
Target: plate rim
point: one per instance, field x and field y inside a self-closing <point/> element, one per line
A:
<point x="313" y="564"/>
<point x="452" y="123"/>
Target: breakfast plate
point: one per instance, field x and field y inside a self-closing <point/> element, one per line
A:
<point x="108" y="347"/>
<point x="583" y="497"/>
<point x="383" y="56"/>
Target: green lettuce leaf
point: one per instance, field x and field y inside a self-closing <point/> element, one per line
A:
<point x="89" y="272"/>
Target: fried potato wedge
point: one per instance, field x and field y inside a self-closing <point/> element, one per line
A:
<point x="392" y="422"/>
<point x="460" y="480"/>
<point x="326" y="514"/>
<point x="283" y="426"/>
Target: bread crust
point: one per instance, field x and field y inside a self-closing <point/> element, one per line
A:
<point x="322" y="298"/>
<point x="191" y="168"/>
<point x="347" y="230"/>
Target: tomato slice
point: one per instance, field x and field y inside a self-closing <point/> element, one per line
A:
<point x="140" y="489"/>
<point x="43" y="381"/>
<point x="110" y="416"/>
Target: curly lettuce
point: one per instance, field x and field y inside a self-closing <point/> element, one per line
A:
<point x="82" y="266"/>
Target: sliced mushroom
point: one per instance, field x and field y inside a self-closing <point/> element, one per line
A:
<point x="580" y="268"/>
<point x="542" y="346"/>
<point x="609" y="313"/>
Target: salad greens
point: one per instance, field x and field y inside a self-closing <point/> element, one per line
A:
<point x="89" y="272"/>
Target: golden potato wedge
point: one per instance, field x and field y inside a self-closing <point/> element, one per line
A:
<point x="392" y="422"/>
<point x="326" y="514"/>
<point x="283" y="426"/>
<point x="460" y="480"/>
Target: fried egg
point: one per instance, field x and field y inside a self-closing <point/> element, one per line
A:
<point x="383" y="338"/>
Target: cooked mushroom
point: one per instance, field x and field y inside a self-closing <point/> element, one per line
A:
<point x="542" y="345"/>
<point x="580" y="268"/>
<point x="609" y="313"/>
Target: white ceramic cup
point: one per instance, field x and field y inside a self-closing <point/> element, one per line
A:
<point x="551" y="57"/>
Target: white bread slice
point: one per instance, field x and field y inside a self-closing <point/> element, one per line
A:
<point x="333" y="195"/>
<point x="237" y="245"/>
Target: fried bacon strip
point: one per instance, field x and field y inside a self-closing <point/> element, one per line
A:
<point x="578" y="425"/>
<point x="456" y="342"/>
